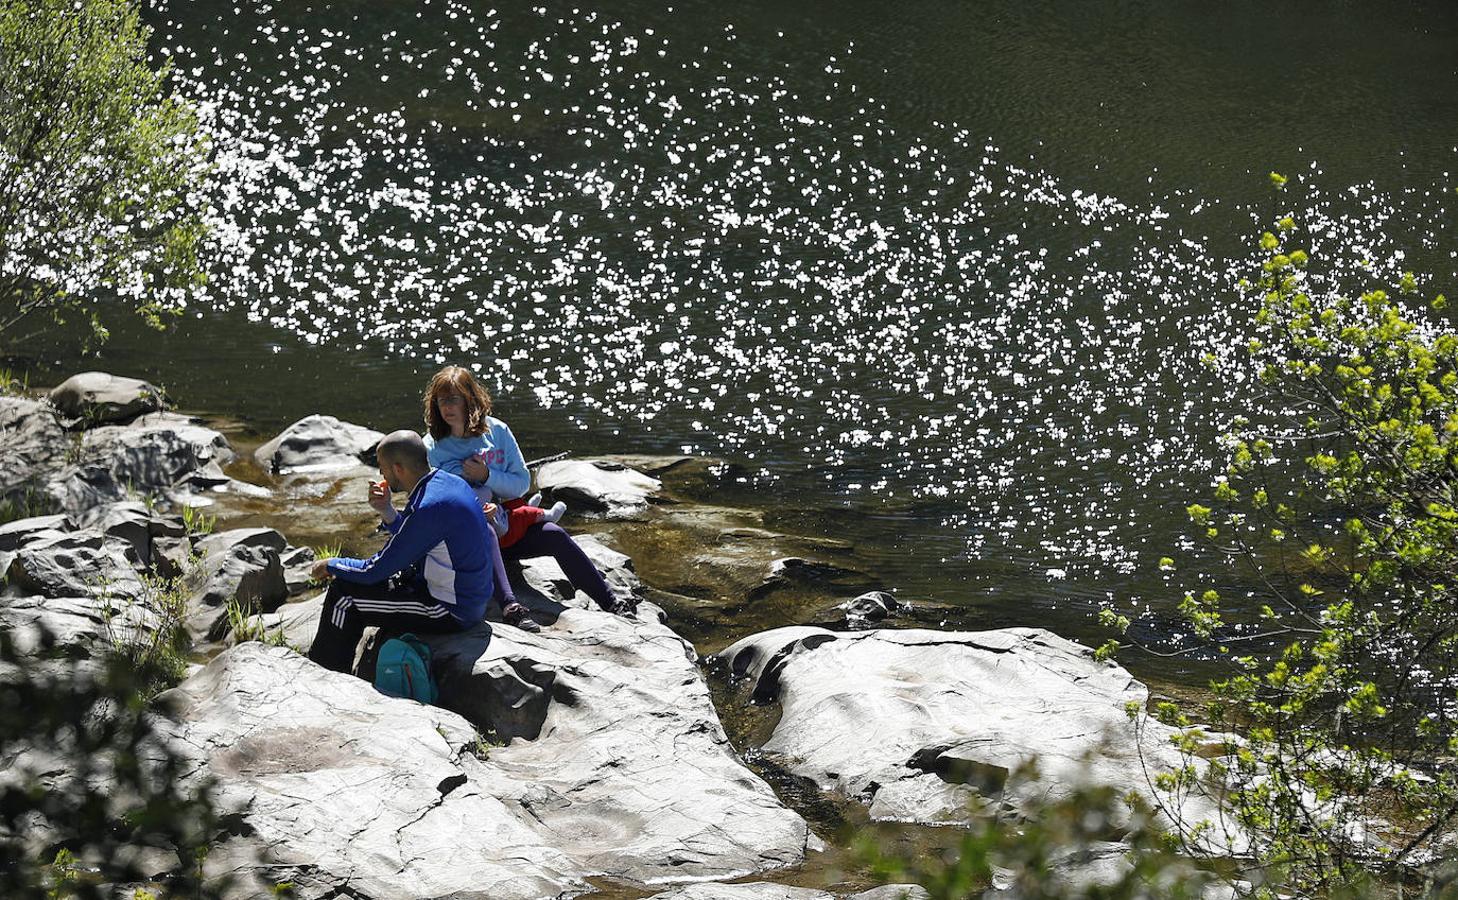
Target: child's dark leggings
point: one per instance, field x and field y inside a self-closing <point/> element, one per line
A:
<point x="549" y="539"/>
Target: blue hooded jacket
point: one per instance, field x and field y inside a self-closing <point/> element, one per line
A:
<point x="443" y="529"/>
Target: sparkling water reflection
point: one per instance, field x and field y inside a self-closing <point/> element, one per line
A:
<point x="738" y="233"/>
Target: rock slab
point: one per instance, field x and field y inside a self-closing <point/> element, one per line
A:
<point x="100" y="397"/>
<point x="345" y="792"/>
<point x="318" y="444"/>
<point x="601" y="486"/>
<point x="916" y="723"/>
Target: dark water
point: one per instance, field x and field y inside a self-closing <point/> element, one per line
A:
<point x="938" y="274"/>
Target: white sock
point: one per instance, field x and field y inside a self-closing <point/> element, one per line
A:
<point x="555" y="514"/>
<point x="535" y="499"/>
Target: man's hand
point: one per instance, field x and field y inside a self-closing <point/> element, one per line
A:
<point x="379" y="498"/>
<point x="319" y="571"/>
<point x="474" y="469"/>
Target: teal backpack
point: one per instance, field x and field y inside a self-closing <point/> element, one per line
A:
<point x="403" y="669"/>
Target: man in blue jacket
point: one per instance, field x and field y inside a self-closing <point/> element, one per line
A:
<point x="434" y="574"/>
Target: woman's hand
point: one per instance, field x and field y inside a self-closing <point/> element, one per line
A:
<point x="474" y="469"/>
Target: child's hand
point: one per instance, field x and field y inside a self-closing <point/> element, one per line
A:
<point x="475" y="469"/>
<point x="489" y="509"/>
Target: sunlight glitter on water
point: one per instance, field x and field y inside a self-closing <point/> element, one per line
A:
<point x="681" y="237"/>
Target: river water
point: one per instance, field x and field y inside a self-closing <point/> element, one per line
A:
<point x="937" y="276"/>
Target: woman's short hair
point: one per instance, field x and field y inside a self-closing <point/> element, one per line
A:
<point x="459" y="381"/>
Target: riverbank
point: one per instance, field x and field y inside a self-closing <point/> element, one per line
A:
<point x="597" y="751"/>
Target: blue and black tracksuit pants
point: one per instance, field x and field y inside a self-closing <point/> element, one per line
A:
<point x="350" y="607"/>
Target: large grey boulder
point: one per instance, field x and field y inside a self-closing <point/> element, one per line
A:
<point x="94" y="398"/>
<point x="247" y="574"/>
<point x="615" y="747"/>
<point x="78" y="564"/>
<point x="152" y="455"/>
<point x="318" y="444"/>
<point x="341" y="791"/>
<point x="133" y="524"/>
<point x="611" y="740"/>
<point x="598" y="485"/>
<point x="79" y="627"/>
<point x="915" y="723"/>
<point x="35" y="445"/>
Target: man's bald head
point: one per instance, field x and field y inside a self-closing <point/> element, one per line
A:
<point x="405" y="449"/>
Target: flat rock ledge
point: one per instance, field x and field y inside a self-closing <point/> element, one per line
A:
<point x="630" y="776"/>
<point x="916" y="724"/>
<point x="607" y="737"/>
<point x="341" y="791"/>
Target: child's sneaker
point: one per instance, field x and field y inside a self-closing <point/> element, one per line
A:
<point x="519" y="616"/>
<point x="555" y="514"/>
<point x="619" y="606"/>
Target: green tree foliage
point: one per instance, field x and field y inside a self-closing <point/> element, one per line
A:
<point x="1340" y="507"/>
<point x="99" y="166"/>
<point x="91" y="798"/>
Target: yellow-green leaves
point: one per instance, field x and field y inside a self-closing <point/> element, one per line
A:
<point x="1278" y="181"/>
<point x="1363" y="703"/>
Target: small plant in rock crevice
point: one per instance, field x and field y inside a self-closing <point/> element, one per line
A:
<point x="157" y="654"/>
<point x="197" y="522"/>
<point x="246" y="627"/>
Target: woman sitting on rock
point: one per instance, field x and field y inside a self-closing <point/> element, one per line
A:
<point x="465" y="439"/>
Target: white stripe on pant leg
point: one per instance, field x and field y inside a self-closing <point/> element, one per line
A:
<point x="415" y="608"/>
<point x="340" y="609"/>
<point x="412" y="607"/>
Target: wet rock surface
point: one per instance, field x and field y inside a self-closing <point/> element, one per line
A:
<point x="915" y="723"/>
<point x="318" y="444"/>
<point x="604" y="486"/>
<point x="869" y="608"/>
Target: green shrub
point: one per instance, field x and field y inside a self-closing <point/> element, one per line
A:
<point x="101" y="166"/>
<point x="1339" y="505"/>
